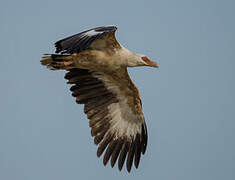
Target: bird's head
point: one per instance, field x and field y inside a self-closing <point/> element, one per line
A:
<point x="134" y="60"/>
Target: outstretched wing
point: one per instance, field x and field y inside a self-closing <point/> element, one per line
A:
<point x="113" y="106"/>
<point x="96" y="38"/>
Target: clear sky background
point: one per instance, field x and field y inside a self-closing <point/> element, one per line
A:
<point x="188" y="103"/>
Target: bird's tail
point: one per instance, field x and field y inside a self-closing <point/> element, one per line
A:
<point x="57" y="61"/>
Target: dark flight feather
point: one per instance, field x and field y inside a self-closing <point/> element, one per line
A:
<point x="123" y="154"/>
<point x="82" y="41"/>
<point x="92" y="92"/>
<point x="116" y="152"/>
<point x="130" y="156"/>
<point x="137" y="150"/>
<point x="109" y="151"/>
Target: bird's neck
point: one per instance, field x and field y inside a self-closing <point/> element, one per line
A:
<point x="130" y="59"/>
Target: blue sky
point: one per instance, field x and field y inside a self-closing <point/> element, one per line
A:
<point x="188" y="103"/>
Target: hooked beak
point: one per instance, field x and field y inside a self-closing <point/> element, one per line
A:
<point x="153" y="64"/>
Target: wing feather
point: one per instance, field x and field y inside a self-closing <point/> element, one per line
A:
<point x="87" y="39"/>
<point x="123" y="154"/>
<point x="107" y="139"/>
<point x="113" y="106"/>
<point x="109" y="151"/>
<point x="98" y="138"/>
<point x="137" y="150"/>
<point x="116" y="152"/>
<point x="130" y="156"/>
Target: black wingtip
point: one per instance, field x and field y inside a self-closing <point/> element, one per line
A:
<point x="144" y="134"/>
<point x="79" y="42"/>
<point x="137" y="150"/>
<point x="108" y="28"/>
<point x="122" y="155"/>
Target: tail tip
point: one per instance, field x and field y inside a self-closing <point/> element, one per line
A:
<point x="46" y="59"/>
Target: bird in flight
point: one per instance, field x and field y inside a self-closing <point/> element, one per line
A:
<point x="96" y="66"/>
